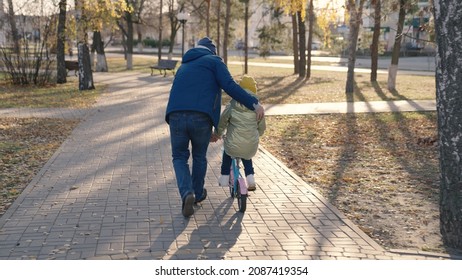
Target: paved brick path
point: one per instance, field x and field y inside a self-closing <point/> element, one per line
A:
<point x="109" y="192"/>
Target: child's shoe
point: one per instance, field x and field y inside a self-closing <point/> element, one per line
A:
<point x="223" y="181"/>
<point x="251" y="186"/>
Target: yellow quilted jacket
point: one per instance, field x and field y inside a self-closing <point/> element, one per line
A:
<point x="242" y="130"/>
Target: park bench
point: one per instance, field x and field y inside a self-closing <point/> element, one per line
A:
<point x="164" y="65"/>
<point x="72" y="65"/>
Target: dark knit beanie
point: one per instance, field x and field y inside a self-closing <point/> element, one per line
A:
<point x="206" y="42"/>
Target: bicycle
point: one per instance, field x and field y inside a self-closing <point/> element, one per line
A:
<point x="237" y="185"/>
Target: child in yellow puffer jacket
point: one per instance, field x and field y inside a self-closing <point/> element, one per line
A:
<point x="243" y="132"/>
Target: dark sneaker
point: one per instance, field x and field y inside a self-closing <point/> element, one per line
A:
<point x="187" y="208"/>
<point x="204" y="196"/>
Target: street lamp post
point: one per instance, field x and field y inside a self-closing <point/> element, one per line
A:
<point x="246" y="35"/>
<point x="183" y="18"/>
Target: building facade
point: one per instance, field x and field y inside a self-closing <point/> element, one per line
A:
<point x="2" y="24"/>
<point x="415" y="36"/>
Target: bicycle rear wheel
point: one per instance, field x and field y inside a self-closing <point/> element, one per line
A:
<point x="241" y="200"/>
<point x="231" y="191"/>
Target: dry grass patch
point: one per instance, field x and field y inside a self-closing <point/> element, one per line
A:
<point x="280" y="86"/>
<point x="380" y="170"/>
<point x="52" y="96"/>
<point x="140" y="64"/>
<point x="25" y="146"/>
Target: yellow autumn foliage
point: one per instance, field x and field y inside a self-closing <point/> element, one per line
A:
<point x="293" y="6"/>
<point x="101" y="12"/>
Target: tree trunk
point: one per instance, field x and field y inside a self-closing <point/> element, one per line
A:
<point x="93" y="51"/>
<point x="174" y="27"/>
<point x="124" y="44"/>
<point x="218" y="27"/>
<point x="80" y="22"/>
<point x="60" y="45"/>
<point x="393" y="70"/>
<point x="449" y="107"/>
<point x="14" y="29"/>
<point x="128" y="17"/>
<point x="172" y="42"/>
<point x="226" y="31"/>
<point x="207" y="23"/>
<point x="295" y="44"/>
<point x="375" y="40"/>
<point x="83" y="56"/>
<point x="85" y="74"/>
<point x="302" y="45"/>
<point x="101" y="62"/>
<point x="159" y="54"/>
<point x="139" y="38"/>
<point x="355" y="22"/>
<point x="310" y="38"/>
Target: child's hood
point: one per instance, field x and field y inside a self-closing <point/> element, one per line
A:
<point x="238" y="106"/>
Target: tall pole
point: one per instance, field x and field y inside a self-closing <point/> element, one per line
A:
<point x="218" y="26"/>
<point x="182" y="18"/>
<point x="41" y="29"/>
<point x="159" y="53"/>
<point x="246" y="39"/>
<point x="182" y="39"/>
<point x="207" y="22"/>
<point x="14" y="28"/>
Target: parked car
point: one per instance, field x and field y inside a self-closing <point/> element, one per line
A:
<point x="315" y="45"/>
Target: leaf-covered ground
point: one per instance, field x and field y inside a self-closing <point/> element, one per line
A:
<point x="280" y="86"/>
<point x="50" y="96"/>
<point x="25" y="146"/>
<point x="380" y="170"/>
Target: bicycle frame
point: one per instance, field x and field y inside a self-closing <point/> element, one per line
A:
<point x="238" y="187"/>
<point x="237" y="177"/>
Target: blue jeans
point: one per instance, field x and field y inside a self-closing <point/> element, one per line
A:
<point x="226" y="165"/>
<point x="196" y="128"/>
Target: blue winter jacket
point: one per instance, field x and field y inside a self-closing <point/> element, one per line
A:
<point x="198" y="83"/>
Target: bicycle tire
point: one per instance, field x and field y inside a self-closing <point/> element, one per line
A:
<point x="231" y="182"/>
<point x="241" y="199"/>
<point x="242" y="202"/>
<point x="231" y="191"/>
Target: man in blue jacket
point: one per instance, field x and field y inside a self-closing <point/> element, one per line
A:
<point x="193" y="108"/>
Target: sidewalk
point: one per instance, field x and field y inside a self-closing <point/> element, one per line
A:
<point x="335" y="68"/>
<point x="351" y="107"/>
<point x="109" y="192"/>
